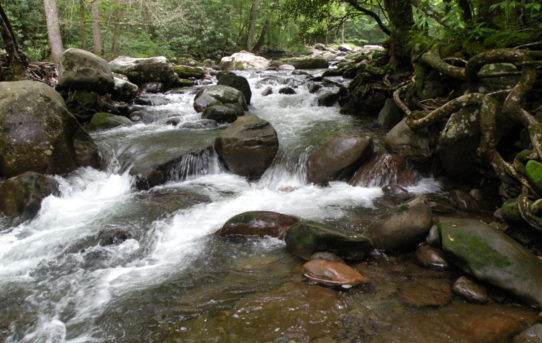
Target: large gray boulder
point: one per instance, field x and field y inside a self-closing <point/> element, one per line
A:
<point x="244" y="60"/>
<point x="248" y="146"/>
<point x="124" y="90"/>
<point x="491" y="256"/>
<point x="338" y="158"/>
<point x="218" y="95"/>
<point x="82" y="70"/>
<point x="403" y="229"/>
<point x="37" y="130"/>
<point x="407" y="143"/>
<point x="237" y="82"/>
<point x="22" y="194"/>
<point x="144" y="70"/>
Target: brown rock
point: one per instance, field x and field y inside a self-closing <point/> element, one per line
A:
<point x="428" y="256"/>
<point x="470" y="290"/>
<point x="383" y="170"/>
<point x="430" y="292"/>
<point x="258" y="223"/>
<point x="333" y="273"/>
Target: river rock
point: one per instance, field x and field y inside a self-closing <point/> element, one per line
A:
<point x="248" y="146"/>
<point x="338" y="158"/>
<point x="153" y="87"/>
<point x="323" y="255"/>
<point x="22" y="194"/>
<point x="426" y="292"/>
<point x="37" y="130"/>
<point x="306" y="237"/>
<point x="227" y="113"/>
<point x="309" y="63"/>
<point x="144" y="70"/>
<point x="431" y="257"/>
<point x="328" y="99"/>
<point x="124" y="90"/>
<point x="333" y="274"/>
<point x="258" y="223"/>
<point x="244" y="60"/>
<point x="383" y="170"/>
<point x="102" y="121"/>
<point x="402" y="140"/>
<point x="531" y="335"/>
<point x="82" y="70"/>
<point x="470" y="290"/>
<point x="493" y="257"/>
<point x="403" y="229"/>
<point x="238" y="82"/>
<point x="86" y="151"/>
<point x="186" y="72"/>
<point x="287" y="91"/>
<point x="218" y="95"/>
<point x="267" y="91"/>
<point x="389" y="115"/>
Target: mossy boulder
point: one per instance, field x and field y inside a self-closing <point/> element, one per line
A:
<point x="22" y="194"/>
<point x="307" y="237"/>
<point x="144" y="70"/>
<point x="338" y="158"/>
<point x="218" y="95"/>
<point x="82" y="70"/>
<point x="248" y="146"/>
<point x="308" y="63"/>
<point x="491" y="256"/>
<point x="258" y="223"/>
<point x="533" y="171"/>
<point x="103" y="121"/>
<point x="36" y="130"/>
<point x="186" y="72"/>
<point x="238" y="82"/>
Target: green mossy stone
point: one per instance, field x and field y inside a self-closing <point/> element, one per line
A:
<point x="491" y="256"/>
<point x="306" y="237"/>
<point x="186" y="72"/>
<point x="510" y="212"/>
<point x="108" y="121"/>
<point x="534" y="174"/>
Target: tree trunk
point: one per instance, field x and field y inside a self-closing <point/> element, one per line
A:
<point x="16" y="61"/>
<point x="401" y="21"/>
<point x="53" y="30"/>
<point x="96" y="34"/>
<point x="342" y="32"/>
<point x="466" y="9"/>
<point x="261" y="41"/>
<point x="82" y="25"/>
<point x="252" y="25"/>
<point x="116" y="31"/>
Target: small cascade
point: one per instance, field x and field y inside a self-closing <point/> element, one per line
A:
<point x="195" y="164"/>
<point x="382" y="170"/>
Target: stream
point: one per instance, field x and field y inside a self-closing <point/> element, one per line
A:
<point x="169" y="279"/>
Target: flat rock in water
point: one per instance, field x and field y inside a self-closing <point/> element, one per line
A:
<point x="333" y="274"/>
<point x="430" y="292"/>
<point x="305" y="238"/>
<point x="258" y="223"/>
<point x="491" y="256"/>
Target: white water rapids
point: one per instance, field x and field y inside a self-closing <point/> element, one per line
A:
<point x="56" y="292"/>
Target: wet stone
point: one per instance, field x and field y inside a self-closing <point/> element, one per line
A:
<point x="323" y="255"/>
<point x="531" y="335"/>
<point x="287" y="91"/>
<point x="422" y="293"/>
<point x="470" y="290"/>
<point x="428" y="256"/>
<point x="258" y="223"/>
<point x="333" y="274"/>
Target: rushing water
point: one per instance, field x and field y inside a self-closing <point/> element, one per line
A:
<point x="57" y="284"/>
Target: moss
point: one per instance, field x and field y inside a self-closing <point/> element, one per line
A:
<point x="510" y="212"/>
<point x="534" y="174"/>
<point x="185" y="72"/>
<point x="239" y="66"/>
<point x="471" y="251"/>
<point x="86" y="99"/>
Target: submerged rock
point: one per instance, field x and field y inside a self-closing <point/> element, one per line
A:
<point x="338" y="158"/>
<point x="103" y="121"/>
<point x="431" y="257"/>
<point x="332" y="274"/>
<point x="22" y="194"/>
<point x="82" y="70"/>
<point x="143" y="70"/>
<point x="238" y="82"/>
<point x="258" y="223"/>
<point x="404" y="229"/>
<point x="470" y="290"/>
<point x="402" y="140"/>
<point x="248" y="146"/>
<point x="531" y="335"/>
<point x="493" y="257"/>
<point x="37" y="130"/>
<point x="428" y="292"/>
<point x="305" y="238"/>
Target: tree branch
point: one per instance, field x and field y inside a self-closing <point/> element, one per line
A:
<point x="370" y="13"/>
